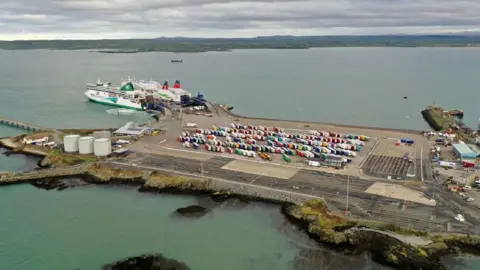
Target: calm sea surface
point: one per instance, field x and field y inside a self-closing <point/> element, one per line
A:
<point x="86" y="227"/>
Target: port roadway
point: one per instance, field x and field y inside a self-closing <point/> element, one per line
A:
<point x="307" y="183"/>
<point x="155" y="155"/>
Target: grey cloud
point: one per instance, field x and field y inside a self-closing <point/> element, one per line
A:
<point x="224" y="17"/>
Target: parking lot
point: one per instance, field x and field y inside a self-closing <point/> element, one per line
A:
<point x="392" y="161"/>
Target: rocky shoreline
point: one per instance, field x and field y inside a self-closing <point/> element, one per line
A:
<point x="335" y="232"/>
<point x="387" y="244"/>
<point x="15" y="148"/>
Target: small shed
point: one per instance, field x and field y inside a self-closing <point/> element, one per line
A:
<point x="464" y="151"/>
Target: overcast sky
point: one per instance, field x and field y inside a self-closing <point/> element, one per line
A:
<point x="46" y="19"/>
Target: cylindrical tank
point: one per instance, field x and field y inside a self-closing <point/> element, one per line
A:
<point x="85" y="145"/>
<point x="102" y="147"/>
<point x="70" y="143"/>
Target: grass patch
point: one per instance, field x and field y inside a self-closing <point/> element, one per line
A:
<point x="169" y="180"/>
<point x="58" y="158"/>
<point x="324" y="219"/>
<point x="161" y="180"/>
<point x="446" y="121"/>
<point x="107" y="173"/>
<point x="422" y="253"/>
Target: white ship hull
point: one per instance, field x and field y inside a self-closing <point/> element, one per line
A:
<point x="112" y="99"/>
<point x="173" y="94"/>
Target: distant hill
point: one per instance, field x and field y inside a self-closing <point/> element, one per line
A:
<point x="185" y="44"/>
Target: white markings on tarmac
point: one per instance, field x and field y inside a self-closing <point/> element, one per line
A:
<point x="368" y="154"/>
<point x="219" y="179"/>
<point x="261" y="169"/>
<point x="229" y="156"/>
<point x="399" y="192"/>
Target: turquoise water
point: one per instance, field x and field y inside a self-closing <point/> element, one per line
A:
<point x="362" y="86"/>
<point x="14" y="162"/>
<point x="463" y="262"/>
<point x="89" y="226"/>
<point x="84" y="228"/>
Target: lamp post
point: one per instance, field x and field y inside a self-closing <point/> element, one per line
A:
<point x="348" y="187"/>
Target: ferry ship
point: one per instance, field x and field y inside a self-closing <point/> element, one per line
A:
<point x="174" y="93"/>
<point x="124" y="97"/>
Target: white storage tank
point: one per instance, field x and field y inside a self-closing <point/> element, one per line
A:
<point x="70" y="143"/>
<point x="85" y="145"/>
<point x="102" y="147"/>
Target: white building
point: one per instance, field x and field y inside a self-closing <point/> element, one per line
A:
<point x="36" y="139"/>
<point x="133" y="129"/>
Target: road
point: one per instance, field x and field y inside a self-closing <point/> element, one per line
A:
<point x="331" y="187"/>
<point x="314" y="184"/>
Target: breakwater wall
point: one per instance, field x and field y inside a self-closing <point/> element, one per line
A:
<point x="169" y="182"/>
<point x="413" y="131"/>
<point x="22" y="125"/>
<point x="21" y="177"/>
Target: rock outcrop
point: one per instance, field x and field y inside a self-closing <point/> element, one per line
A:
<point x="339" y="233"/>
<point x="192" y="211"/>
<point x="147" y="262"/>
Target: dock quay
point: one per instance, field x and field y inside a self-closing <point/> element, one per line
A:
<point x="18" y="177"/>
<point x="234" y="115"/>
<point x="22" y="125"/>
<point x="376" y="183"/>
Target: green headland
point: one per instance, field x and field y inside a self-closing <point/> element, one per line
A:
<point x="180" y="44"/>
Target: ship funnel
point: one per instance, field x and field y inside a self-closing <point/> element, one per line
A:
<point x="165" y="85"/>
<point x="177" y="84"/>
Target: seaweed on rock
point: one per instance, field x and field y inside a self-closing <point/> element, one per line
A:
<point x="147" y="262"/>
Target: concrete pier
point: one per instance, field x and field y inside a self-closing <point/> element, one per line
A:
<point x="22" y="125"/>
<point x="10" y="178"/>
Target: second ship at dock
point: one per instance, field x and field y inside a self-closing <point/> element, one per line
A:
<point x="139" y="95"/>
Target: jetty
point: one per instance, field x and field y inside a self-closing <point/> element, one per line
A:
<point x="11" y="178"/>
<point x="22" y="125"/>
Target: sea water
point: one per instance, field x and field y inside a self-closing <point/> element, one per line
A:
<point x="85" y="227"/>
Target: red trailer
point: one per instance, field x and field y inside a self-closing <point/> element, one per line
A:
<point x="468" y="164"/>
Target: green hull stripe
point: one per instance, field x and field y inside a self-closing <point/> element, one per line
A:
<point x="114" y="105"/>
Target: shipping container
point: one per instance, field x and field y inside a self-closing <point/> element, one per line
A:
<point x="286" y="158"/>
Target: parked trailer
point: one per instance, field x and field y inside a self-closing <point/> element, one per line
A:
<point x="286" y="158"/>
<point x="330" y="144"/>
<point x="331" y="135"/>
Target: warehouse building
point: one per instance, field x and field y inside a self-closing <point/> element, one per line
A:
<point x="132" y="129"/>
<point x="464" y="151"/>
